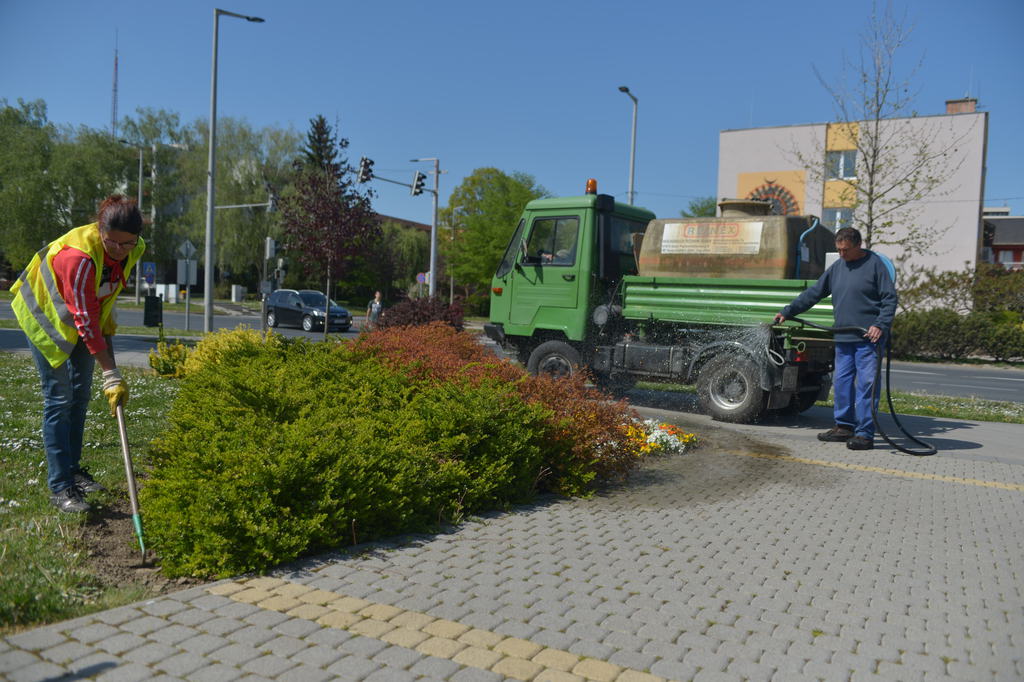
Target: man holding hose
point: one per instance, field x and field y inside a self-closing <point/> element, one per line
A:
<point x="64" y="302"/>
<point x="863" y="295"/>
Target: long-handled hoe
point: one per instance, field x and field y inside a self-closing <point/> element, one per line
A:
<point x="133" y="493"/>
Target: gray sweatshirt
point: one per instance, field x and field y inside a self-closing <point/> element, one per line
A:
<point x="863" y="295"/>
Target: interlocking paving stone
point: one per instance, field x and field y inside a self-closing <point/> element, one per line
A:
<point x="827" y="563"/>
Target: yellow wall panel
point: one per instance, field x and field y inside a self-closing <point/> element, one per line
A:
<point x="841" y="136"/>
<point x="838" y="194"/>
<point x="789" y="185"/>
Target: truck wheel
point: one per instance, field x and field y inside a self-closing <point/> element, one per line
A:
<point x="729" y="389"/>
<point x="554" y="358"/>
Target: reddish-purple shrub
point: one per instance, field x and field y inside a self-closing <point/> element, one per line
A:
<point x="587" y="431"/>
<point x="414" y="312"/>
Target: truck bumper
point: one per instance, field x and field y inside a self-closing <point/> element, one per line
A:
<point x="495" y="332"/>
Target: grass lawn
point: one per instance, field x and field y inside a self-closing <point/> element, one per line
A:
<point x="43" y="572"/>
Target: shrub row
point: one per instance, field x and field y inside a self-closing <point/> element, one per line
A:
<point x="276" y="448"/>
<point x="947" y="335"/>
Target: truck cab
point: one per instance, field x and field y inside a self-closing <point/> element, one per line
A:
<point x="564" y="256"/>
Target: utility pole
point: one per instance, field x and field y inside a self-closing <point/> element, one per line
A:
<point x="432" y="289"/>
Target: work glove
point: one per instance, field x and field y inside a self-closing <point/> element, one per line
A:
<point x="114" y="389"/>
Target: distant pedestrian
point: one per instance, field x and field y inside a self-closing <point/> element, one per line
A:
<point x="863" y="295"/>
<point x="374" y="311"/>
<point x="64" y="302"/>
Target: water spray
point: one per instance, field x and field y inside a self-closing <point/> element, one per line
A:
<point x="928" y="449"/>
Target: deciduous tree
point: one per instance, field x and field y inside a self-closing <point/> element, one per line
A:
<point x="326" y="221"/>
<point x="482" y="212"/>
<point x="901" y="159"/>
<point x="701" y="207"/>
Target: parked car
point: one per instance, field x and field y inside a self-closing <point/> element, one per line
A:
<point x="305" y="308"/>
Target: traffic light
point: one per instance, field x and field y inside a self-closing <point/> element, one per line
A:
<point x="271" y="198"/>
<point x="417" y="183"/>
<point x="365" y="169"/>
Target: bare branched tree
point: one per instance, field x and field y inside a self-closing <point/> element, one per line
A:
<point x="901" y="159"/>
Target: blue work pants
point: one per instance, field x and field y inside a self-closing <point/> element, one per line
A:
<point x="66" y="392"/>
<point x="853" y="383"/>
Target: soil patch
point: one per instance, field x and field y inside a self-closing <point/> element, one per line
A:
<point x="113" y="553"/>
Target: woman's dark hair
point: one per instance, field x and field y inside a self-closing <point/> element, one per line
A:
<point x="121" y="214"/>
<point x="849" y="234"/>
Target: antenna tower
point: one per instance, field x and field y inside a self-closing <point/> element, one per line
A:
<point x="113" y="99"/>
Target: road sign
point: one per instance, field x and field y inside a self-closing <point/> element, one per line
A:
<point x="186" y="272"/>
<point x="187" y="250"/>
<point x="149" y="272"/>
<point x="421" y="277"/>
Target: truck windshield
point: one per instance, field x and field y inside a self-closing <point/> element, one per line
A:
<point x="509" y="259"/>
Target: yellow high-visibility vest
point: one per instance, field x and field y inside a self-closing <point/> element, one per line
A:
<point x="41" y="310"/>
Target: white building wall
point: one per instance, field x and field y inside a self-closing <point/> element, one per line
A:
<point x="953" y="210"/>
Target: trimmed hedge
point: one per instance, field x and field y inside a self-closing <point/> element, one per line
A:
<point x="277" y="448"/>
<point x="946" y="335"/>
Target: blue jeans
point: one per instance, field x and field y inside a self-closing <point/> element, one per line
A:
<point x="853" y="383"/>
<point x="66" y="392"/>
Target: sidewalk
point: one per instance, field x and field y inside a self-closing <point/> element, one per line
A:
<point x="770" y="556"/>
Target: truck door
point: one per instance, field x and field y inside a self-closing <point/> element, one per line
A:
<point x="548" y="281"/>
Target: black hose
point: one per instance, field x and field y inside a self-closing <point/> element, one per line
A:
<point x="928" y="449"/>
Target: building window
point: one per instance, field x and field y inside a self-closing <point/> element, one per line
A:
<point x="841" y="165"/>
<point x="837" y="218"/>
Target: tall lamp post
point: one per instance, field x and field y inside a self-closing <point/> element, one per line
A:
<point x="211" y="171"/>
<point x="632" y="146"/>
<point x="432" y="285"/>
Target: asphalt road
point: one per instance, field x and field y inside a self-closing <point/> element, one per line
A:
<point x="990" y="383"/>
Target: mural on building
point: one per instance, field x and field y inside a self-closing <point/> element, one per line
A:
<point x="783" y="201"/>
<point x="784" y="189"/>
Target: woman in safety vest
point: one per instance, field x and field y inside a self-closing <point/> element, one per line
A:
<point x="64" y="301"/>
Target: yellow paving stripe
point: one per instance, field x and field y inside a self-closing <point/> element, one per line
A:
<point x="512" y="657"/>
<point x="1016" y="487"/>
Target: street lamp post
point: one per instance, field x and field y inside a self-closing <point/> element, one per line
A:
<point x="632" y="146"/>
<point x="211" y="172"/>
<point x="432" y="285"/>
<point x="138" y="270"/>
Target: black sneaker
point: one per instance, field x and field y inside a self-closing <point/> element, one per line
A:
<point x="837" y="434"/>
<point x="70" y="500"/>
<point x="86" y="483"/>
<point x="860" y="443"/>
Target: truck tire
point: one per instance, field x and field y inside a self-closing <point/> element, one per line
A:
<point x="729" y="389"/>
<point x="554" y="358"/>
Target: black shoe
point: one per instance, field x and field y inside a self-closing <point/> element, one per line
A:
<point x="837" y="434"/>
<point x="70" y="500"/>
<point x="860" y="443"/>
<point x="86" y="483"/>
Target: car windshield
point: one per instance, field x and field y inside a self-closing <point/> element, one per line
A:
<point x="313" y="298"/>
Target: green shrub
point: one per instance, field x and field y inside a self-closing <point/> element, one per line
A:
<point x="234" y="345"/>
<point x="169" y="358"/>
<point x="270" y="455"/>
<point x="937" y="333"/>
<point x="1000" y="335"/>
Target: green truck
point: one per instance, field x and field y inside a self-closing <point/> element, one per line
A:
<point x="587" y="283"/>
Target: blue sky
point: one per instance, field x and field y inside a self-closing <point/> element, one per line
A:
<point x="526" y="86"/>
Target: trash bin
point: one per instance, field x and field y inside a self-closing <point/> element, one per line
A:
<point x="153" y="313"/>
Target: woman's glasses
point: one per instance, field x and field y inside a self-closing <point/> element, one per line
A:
<point x="120" y="245"/>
